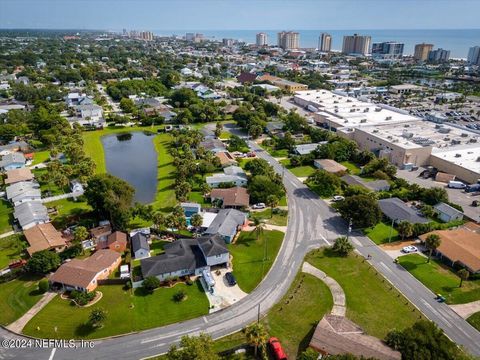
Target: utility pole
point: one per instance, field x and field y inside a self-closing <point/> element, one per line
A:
<point x="391" y="229"/>
<point x="258" y="314"/>
<point x="349" y="228"/>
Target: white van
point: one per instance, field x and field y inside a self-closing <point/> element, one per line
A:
<point x="456" y="185"/>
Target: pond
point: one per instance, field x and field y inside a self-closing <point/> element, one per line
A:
<point x="132" y="157"/>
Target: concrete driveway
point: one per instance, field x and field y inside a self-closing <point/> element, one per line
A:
<point x="394" y="250"/>
<point x="223" y="295"/>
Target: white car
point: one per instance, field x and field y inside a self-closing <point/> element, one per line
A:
<point x="409" y="249"/>
<point x="338" y="198"/>
<point x="259" y="206"/>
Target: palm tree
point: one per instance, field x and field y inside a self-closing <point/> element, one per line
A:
<point x="272" y="201"/>
<point x="463" y="274"/>
<point x="405" y="229"/>
<point x="432" y="242"/>
<point x="256" y="336"/>
<point x="79" y="234"/>
<point x="158" y="219"/>
<point x="97" y="316"/>
<point x="342" y="246"/>
<point x="196" y="220"/>
<point x="259" y="227"/>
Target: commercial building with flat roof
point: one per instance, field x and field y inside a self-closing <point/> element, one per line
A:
<point x="462" y="161"/>
<point x="387" y="50"/>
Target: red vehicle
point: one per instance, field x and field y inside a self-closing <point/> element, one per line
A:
<point x="277" y="349"/>
<point x="17" y="264"/>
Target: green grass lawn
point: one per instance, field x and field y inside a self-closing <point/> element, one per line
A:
<point x="40" y="157"/>
<point x="283" y="201"/>
<point x="225" y="135"/>
<point x="18" y="296"/>
<point x="48" y="188"/>
<point x="156" y="247"/>
<point x="247" y="252"/>
<point x="440" y="279"/>
<point x="474" y="320"/>
<point x="298" y="171"/>
<point x="353" y="169"/>
<point x="294" y="320"/>
<point x="275" y="153"/>
<point x="11" y="248"/>
<point x="371" y="302"/>
<point x="197" y="197"/>
<point x="69" y="207"/>
<point x="6" y="216"/>
<point x="380" y="233"/>
<point x="265" y="215"/>
<point x="127" y="312"/>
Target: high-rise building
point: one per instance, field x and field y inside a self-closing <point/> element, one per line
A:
<point x="288" y="40"/>
<point x="474" y="55"/>
<point x="439" y="55"/>
<point x="421" y="51"/>
<point x="146" y="35"/>
<point x="387" y="50"/>
<point x="356" y="44"/>
<point x="227" y="42"/>
<point x="262" y="39"/>
<point x="325" y="42"/>
<point x="190" y="36"/>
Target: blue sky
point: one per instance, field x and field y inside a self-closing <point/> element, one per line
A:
<point x="240" y="14"/>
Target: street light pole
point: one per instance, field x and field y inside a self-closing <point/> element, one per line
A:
<point x="349" y="228"/>
<point x="391" y="229"/>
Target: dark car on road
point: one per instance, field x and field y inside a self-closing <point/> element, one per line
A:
<point x="230" y="279"/>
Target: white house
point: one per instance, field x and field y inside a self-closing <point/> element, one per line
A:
<point x="447" y="213"/>
<point x="140" y="247"/>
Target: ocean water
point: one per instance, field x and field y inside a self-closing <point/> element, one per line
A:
<point x="457" y="41"/>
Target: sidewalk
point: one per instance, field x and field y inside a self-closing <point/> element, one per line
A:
<point x="17" y="326"/>
<point x="468" y="309"/>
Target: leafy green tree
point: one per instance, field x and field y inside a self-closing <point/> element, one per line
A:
<point x="150" y="283"/>
<point x="324" y="183"/>
<point x="309" y="354"/>
<point x="218" y="129"/>
<point x="405" y="229"/>
<point x="127" y="105"/>
<point x="256" y="336"/>
<point x="434" y="195"/>
<point x="183" y="97"/>
<point x="43" y="286"/>
<point x="193" y="348"/>
<point x="236" y="143"/>
<point x="196" y="220"/>
<point x="158" y="219"/>
<point x="80" y="234"/>
<point x="43" y="262"/>
<point x="463" y="274"/>
<point x="363" y="210"/>
<point x="97" y="317"/>
<point x="342" y="246"/>
<point x="261" y="187"/>
<point x="432" y="242"/>
<point x="259" y="166"/>
<point x="179" y="296"/>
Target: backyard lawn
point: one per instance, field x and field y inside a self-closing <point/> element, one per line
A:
<point x="371" y="302"/>
<point x="125" y="312"/>
<point x="474" y="320"/>
<point x="11" y="248"/>
<point x="18" y="296"/>
<point x="294" y="322"/>
<point x="440" y="279"/>
<point x="380" y="233"/>
<point x="40" y="157"/>
<point x="156" y="247"/>
<point x="352" y="168"/>
<point x="265" y="215"/>
<point x="69" y="207"/>
<point x="6" y="216"/>
<point x="298" y="171"/>
<point x="275" y="153"/>
<point x="248" y="252"/>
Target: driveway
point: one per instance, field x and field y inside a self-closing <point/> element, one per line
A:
<point x="395" y="250"/>
<point x="223" y="295"/>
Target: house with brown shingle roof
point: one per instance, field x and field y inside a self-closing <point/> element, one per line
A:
<point x="100" y="233"/>
<point x="226" y="159"/>
<point x="235" y="197"/>
<point x="83" y="275"/>
<point x="459" y="246"/>
<point x="116" y="241"/>
<point x="44" y="237"/>
<point x="329" y="165"/>
<point x="18" y="175"/>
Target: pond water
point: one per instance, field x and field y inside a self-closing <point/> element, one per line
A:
<point x="134" y="159"/>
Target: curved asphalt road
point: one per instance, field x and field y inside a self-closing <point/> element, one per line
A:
<point x="311" y="224"/>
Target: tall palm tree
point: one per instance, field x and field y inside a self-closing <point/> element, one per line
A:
<point x="259" y="227"/>
<point x="463" y="274"/>
<point x="158" y="219"/>
<point x="405" y="229"/>
<point x="432" y="242"/>
<point x="256" y="336"/>
<point x="272" y="201"/>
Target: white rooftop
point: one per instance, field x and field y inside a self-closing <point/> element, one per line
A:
<point x="467" y="157"/>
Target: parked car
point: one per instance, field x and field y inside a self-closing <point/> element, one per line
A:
<point x="338" y="198"/>
<point x="258" y="206"/>
<point x="456" y="185"/>
<point x="277" y="349"/>
<point x="409" y="249"/>
<point x="230" y="278"/>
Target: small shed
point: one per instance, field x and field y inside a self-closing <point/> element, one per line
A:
<point x="447" y="213"/>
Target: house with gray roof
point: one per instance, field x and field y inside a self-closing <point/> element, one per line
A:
<point x="29" y="214"/>
<point x="213" y="145"/>
<point x="231" y="174"/>
<point x="305" y="149"/>
<point x="14" y="160"/>
<point x="447" y="213"/>
<point x="227" y="223"/>
<point x="397" y="211"/>
<point x="140" y="246"/>
<point x="23" y="191"/>
<point x="375" y="185"/>
<point x="186" y="257"/>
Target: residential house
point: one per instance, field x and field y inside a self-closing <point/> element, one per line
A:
<point x="227" y="223"/>
<point x="116" y="241"/>
<point x="305" y="149"/>
<point x="236" y="197"/>
<point x="190" y="208"/>
<point x="14" y="146"/>
<point x="44" y="237"/>
<point x="460" y="247"/>
<point x="275" y="128"/>
<point x="376" y="185"/>
<point x="213" y="145"/>
<point x="447" y="213"/>
<point x="336" y="335"/>
<point x="29" y="214"/>
<point x="76" y="186"/>
<point x="330" y="166"/>
<point x="83" y="275"/>
<point x="13" y="160"/>
<point x="18" y="175"/>
<point x="100" y="233"/>
<point x="226" y="158"/>
<point x="89" y="113"/>
<point x="140" y="246"/>
<point x="186" y="257"/>
<point x="397" y="211"/>
<point x="247" y="77"/>
<point x="23" y="191"/>
<point x="232" y="174"/>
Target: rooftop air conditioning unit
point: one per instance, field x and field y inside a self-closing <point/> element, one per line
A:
<point x="335" y="102"/>
<point x="455" y="142"/>
<point x="464" y="135"/>
<point x="458" y="155"/>
<point x="406" y="125"/>
<point x="478" y="159"/>
<point x="473" y="140"/>
<point x="388" y="118"/>
<point x="366" y="110"/>
<point x="378" y="109"/>
<point x="375" y="131"/>
<point x="362" y="121"/>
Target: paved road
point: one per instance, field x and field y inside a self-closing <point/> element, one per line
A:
<point x="311" y="224"/>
